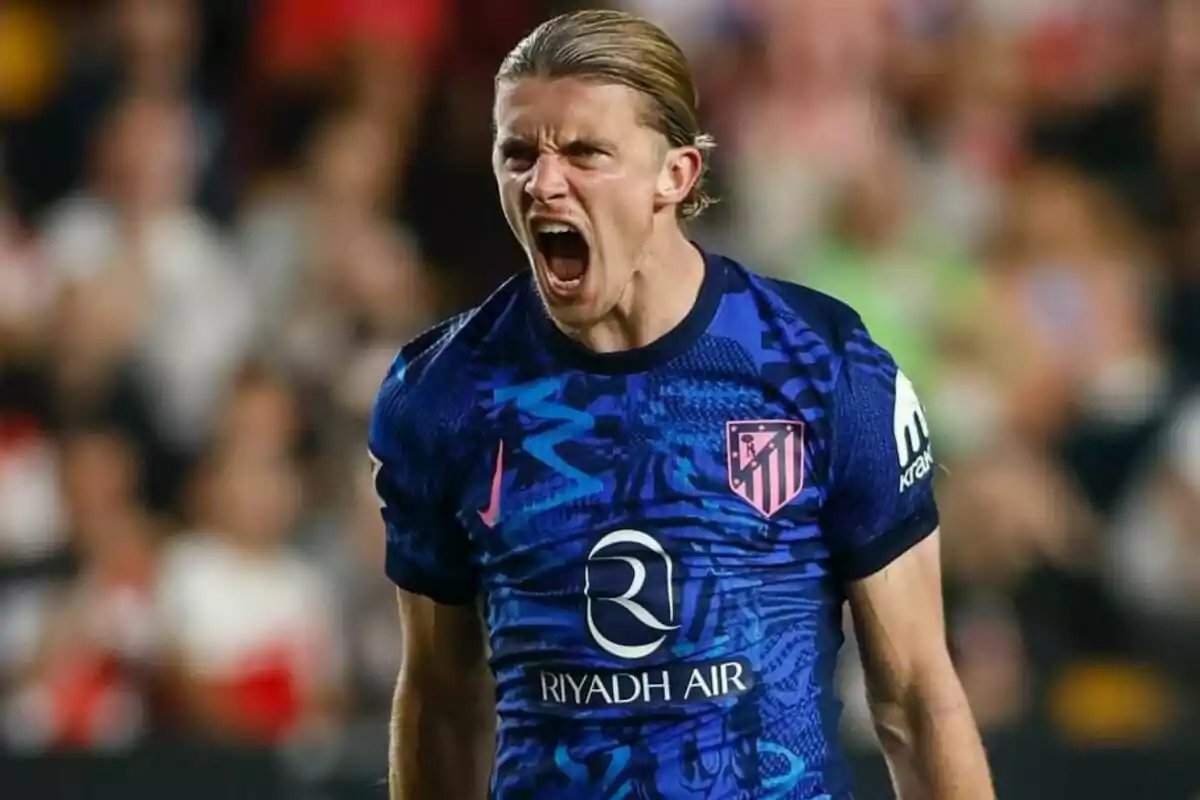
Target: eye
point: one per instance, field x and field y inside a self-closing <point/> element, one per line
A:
<point x="518" y="157"/>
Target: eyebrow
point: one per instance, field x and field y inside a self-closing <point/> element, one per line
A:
<point x="589" y="143"/>
<point x="510" y="142"/>
<point x="514" y="142"/>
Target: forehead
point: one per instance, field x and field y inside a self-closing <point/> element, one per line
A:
<point x="566" y="107"/>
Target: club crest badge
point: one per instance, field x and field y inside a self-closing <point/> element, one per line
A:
<point x="766" y="462"/>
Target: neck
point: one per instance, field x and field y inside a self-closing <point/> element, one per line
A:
<point x="665" y="285"/>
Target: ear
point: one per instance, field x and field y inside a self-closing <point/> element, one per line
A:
<point x="680" y="171"/>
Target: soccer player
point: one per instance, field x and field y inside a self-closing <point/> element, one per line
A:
<point x="628" y="495"/>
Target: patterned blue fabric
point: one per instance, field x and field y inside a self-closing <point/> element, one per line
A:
<point x="661" y="538"/>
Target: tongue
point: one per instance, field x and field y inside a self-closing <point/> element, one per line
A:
<point x="567" y="268"/>
<point x="566" y="256"/>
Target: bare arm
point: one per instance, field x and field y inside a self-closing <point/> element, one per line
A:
<point x="443" y="714"/>
<point x="920" y="711"/>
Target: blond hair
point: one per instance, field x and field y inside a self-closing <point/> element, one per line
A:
<point x="624" y="49"/>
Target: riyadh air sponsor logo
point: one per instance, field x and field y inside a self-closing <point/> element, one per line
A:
<point x="912" y="434"/>
<point x="630" y="613"/>
<point x="630" y="609"/>
<point x="681" y="682"/>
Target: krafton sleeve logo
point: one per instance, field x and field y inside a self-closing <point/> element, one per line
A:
<point x="630" y="608"/>
<point x="912" y="434"/>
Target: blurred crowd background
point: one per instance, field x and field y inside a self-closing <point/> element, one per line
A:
<point x="218" y="221"/>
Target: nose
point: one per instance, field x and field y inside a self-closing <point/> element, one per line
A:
<point x="547" y="180"/>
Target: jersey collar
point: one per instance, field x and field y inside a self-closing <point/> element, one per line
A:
<point x="675" y="342"/>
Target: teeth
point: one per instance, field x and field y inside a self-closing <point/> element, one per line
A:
<point x="553" y="227"/>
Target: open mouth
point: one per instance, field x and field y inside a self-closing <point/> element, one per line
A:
<point x="564" y="250"/>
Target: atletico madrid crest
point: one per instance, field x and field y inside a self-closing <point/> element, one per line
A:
<point x="766" y="462"/>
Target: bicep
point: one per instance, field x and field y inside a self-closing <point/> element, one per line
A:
<point x="440" y="639"/>
<point x="899" y="622"/>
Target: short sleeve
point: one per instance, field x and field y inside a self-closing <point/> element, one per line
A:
<point x="427" y="548"/>
<point x="881" y="499"/>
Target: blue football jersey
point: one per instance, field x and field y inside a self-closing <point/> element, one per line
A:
<point x="660" y="538"/>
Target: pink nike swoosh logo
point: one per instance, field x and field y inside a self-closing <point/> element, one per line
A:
<point x="490" y="514"/>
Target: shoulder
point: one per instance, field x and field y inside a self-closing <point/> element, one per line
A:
<point x="812" y="320"/>
<point x="432" y="380"/>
